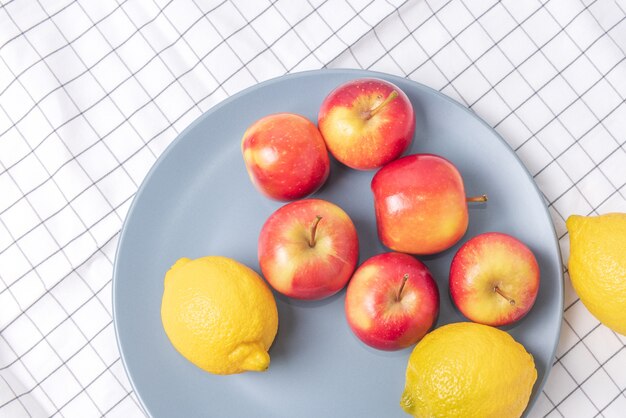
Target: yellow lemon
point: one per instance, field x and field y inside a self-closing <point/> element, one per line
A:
<point x="219" y="314"/>
<point x="468" y="370"/>
<point x="597" y="266"/>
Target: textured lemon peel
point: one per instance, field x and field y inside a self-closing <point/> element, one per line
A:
<point x="597" y="266"/>
<point x="219" y="314"/>
<point x="468" y="370"/>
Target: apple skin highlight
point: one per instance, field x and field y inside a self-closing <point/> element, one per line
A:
<point x="367" y="123"/>
<point x="494" y="279"/>
<point x="392" y="301"/>
<point x="420" y="204"/>
<point x="299" y="268"/>
<point x="285" y="156"/>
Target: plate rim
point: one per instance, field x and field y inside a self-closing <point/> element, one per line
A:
<point x="358" y="73"/>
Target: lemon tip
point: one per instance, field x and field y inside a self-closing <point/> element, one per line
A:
<point x="572" y="221"/>
<point x="257" y="361"/>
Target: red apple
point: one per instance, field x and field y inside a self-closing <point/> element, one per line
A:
<point x="494" y="279"/>
<point x="285" y="156"/>
<point x="366" y="123"/>
<point x="308" y="249"/>
<point x="392" y="301"/>
<point x="420" y="204"/>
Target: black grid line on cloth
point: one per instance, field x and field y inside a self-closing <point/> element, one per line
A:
<point x="528" y="58"/>
<point x="555" y="117"/>
<point x="112" y="52"/>
<point x="267" y="47"/>
<point x="117" y="403"/>
<point x="537" y="51"/>
<point x="580" y="97"/>
<point x="6" y="3"/>
<point x="35" y="25"/>
<point x="135" y="185"/>
<point x="589" y="213"/>
<point x="518" y="25"/>
<point x="32" y="269"/>
<point x="15" y="396"/>
<point x="618" y="191"/>
<point x="349" y="49"/>
<point x="570" y="105"/>
<point x="396" y="11"/>
<point x="69" y="316"/>
<point x="104" y="175"/>
<point x="495" y="45"/>
<point x="333" y="32"/>
<point x="88" y="148"/>
<point x="106" y="370"/>
<point x="78" y="307"/>
<point x="52" y="178"/>
<point x="534" y="94"/>
<point x="598" y="123"/>
<point x="157" y="54"/>
<point x="25" y="31"/>
<point x="310" y="51"/>
<point x="580" y="385"/>
<point x="54" y="328"/>
<point x="599" y="120"/>
<point x="128" y="158"/>
<point x="226" y="40"/>
<point x="142" y="67"/>
<point x="91" y="126"/>
<point x="475" y="19"/>
<point x="220" y="86"/>
<point x="62" y="365"/>
<point x="14" y="80"/>
<point x="81" y="234"/>
<point x="88" y="343"/>
<point x="376" y="35"/>
<point x="411" y="34"/>
<point x="559" y="358"/>
<point x="19" y="358"/>
<point x="434" y="16"/>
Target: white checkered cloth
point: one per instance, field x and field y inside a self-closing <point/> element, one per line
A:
<point x="91" y="92"/>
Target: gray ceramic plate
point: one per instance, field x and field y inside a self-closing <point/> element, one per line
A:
<point x="198" y="200"/>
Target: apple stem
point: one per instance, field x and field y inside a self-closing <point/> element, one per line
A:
<point x="313" y="229"/>
<point x="477" y="199"/>
<point x="498" y="291"/>
<point x="377" y="109"/>
<point x="404" y="279"/>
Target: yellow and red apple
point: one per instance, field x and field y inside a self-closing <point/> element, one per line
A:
<point x="494" y="279"/>
<point x="420" y="204"/>
<point x="392" y="301"/>
<point x="285" y="156"/>
<point x="367" y="123"/>
<point x="308" y="249"/>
